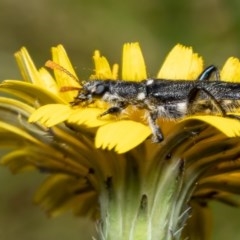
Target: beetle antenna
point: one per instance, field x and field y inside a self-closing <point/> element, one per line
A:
<point x="53" y="66"/>
<point x="66" y="88"/>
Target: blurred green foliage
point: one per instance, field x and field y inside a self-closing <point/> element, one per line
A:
<point x="212" y="27"/>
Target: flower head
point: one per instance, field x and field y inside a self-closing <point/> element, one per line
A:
<point x="106" y="166"/>
<point x="181" y="63"/>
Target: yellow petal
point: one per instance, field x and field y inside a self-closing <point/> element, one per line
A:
<point x="48" y="82"/>
<point x="181" y="63"/>
<point x="58" y="194"/>
<point x="122" y="135"/>
<point x="19" y="132"/>
<point x="231" y="70"/>
<point x="16" y="160"/>
<point x="102" y="68"/>
<point x="51" y="114"/>
<point x="64" y="79"/>
<point x="115" y="70"/>
<point x="228" y="182"/>
<point x="88" y="117"/>
<point x="29" y="92"/>
<point x="133" y="65"/>
<point x="229" y="126"/>
<point x="27" y="68"/>
<point x="15" y="105"/>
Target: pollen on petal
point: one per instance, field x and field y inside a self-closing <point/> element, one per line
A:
<point x="51" y="114"/>
<point x="133" y="65"/>
<point x="229" y="126"/>
<point x="181" y="63"/>
<point x="231" y="70"/>
<point x="121" y="136"/>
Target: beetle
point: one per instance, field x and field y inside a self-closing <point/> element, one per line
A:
<point x="161" y="98"/>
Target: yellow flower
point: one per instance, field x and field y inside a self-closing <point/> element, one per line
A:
<point x="107" y="167"/>
<point x="181" y="63"/>
<point x="133" y="69"/>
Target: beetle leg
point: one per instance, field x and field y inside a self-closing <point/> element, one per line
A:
<point x="111" y="110"/>
<point x="194" y="93"/>
<point x="157" y="133"/>
<point x="207" y="73"/>
<point x="114" y="109"/>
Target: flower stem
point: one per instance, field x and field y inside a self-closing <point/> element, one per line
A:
<point x="142" y="208"/>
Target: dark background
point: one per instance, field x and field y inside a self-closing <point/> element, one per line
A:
<point x="212" y="27"/>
